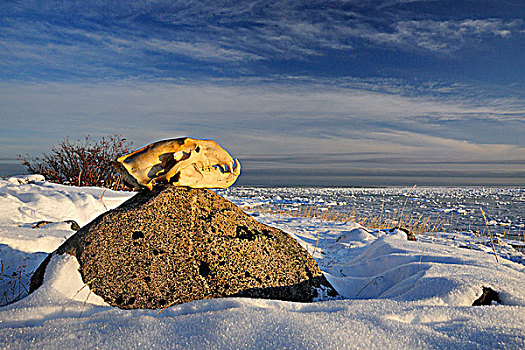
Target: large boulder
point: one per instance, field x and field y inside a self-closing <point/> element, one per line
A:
<point x="176" y="244"/>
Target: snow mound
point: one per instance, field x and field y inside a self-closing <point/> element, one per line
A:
<point x="382" y="264"/>
<point x="26" y="200"/>
<point x="390" y="267"/>
<point x="63" y="294"/>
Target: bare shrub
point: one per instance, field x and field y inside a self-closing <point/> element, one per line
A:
<point x="81" y="162"/>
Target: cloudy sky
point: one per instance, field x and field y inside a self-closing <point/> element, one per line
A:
<point x="302" y="92"/>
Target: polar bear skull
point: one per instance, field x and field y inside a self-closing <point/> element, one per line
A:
<point x="182" y="162"/>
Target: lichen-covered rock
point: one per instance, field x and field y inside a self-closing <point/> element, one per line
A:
<point x="177" y="244"/>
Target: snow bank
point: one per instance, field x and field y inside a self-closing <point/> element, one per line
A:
<point x="56" y="317"/>
<point x="26" y="200"/>
<point x="398" y="294"/>
<point x="63" y="294"/>
<point x="264" y="324"/>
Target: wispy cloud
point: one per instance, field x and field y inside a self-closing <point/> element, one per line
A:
<point x="157" y="36"/>
<point x="445" y="36"/>
<point x="263" y="117"/>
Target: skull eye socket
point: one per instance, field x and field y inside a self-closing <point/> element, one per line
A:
<point x="198" y="149"/>
<point x="167" y="160"/>
<point x="175" y="178"/>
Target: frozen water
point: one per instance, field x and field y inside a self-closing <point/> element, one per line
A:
<point x="458" y="207"/>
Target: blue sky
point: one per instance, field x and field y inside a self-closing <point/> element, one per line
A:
<point x="302" y="92"/>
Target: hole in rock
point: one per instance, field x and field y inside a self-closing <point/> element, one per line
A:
<point x="244" y="232"/>
<point x="162" y="302"/>
<point x="137" y="235"/>
<point x="131" y="301"/>
<point x="204" y="269"/>
<point x="119" y="300"/>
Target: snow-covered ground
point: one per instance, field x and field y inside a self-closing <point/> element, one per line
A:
<point x="397" y="294"/>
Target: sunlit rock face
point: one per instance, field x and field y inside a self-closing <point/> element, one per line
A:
<point x="176" y="244"/>
<point x="181" y="162"/>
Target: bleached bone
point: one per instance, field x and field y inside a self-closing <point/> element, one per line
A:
<point x="182" y="162"/>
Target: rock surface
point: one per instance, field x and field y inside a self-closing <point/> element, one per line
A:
<point x="177" y="244"/>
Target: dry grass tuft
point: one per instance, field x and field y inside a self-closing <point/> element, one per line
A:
<point x="15" y="283"/>
<point x="490" y="234"/>
<point x="416" y="224"/>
